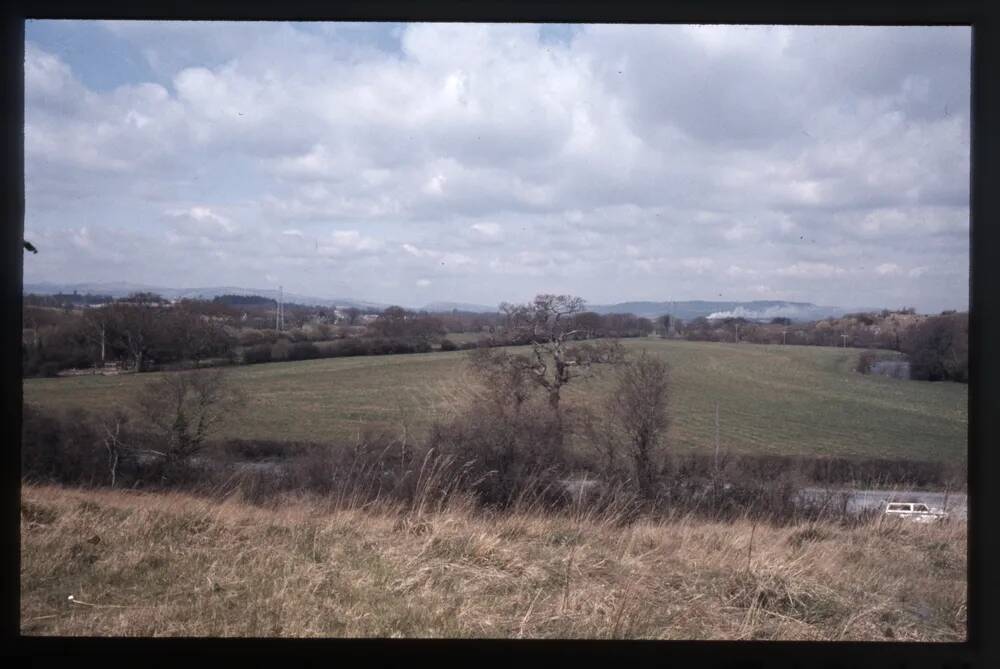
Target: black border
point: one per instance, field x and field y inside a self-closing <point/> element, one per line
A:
<point x="981" y="650"/>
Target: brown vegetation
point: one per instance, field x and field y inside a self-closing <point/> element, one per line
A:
<point x="173" y="565"/>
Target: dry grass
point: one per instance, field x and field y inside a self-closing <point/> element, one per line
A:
<point x="175" y="565"/>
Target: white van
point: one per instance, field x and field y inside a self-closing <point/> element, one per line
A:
<point x="916" y="511"/>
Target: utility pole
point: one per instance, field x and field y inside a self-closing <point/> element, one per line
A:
<point x="737" y="333"/>
<point x="783" y="333"/>
<point x="717" y="437"/>
<point x="844" y="337"/>
<point x="279" y="316"/>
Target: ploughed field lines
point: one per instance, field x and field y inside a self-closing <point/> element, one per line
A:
<point x="772" y="399"/>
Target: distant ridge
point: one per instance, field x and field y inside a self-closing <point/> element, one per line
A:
<point x="459" y="306"/>
<point x="122" y="289"/>
<point x="756" y="309"/>
<point x="685" y="309"/>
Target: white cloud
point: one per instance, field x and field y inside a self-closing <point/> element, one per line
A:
<point x="810" y="270"/>
<point x="698" y="265"/>
<point x="483" y="152"/>
<point x="489" y="230"/>
<point x="200" y="221"/>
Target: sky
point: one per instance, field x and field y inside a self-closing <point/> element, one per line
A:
<point x="413" y="163"/>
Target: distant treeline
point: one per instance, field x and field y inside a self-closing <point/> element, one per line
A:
<point x="244" y="300"/>
<point x="65" y="299"/>
<point x="937" y="347"/>
<point x="144" y="332"/>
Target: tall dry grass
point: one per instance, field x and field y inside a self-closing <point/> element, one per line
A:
<point x="168" y="564"/>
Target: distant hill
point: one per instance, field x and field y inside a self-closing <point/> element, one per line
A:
<point x="440" y="307"/>
<point x="122" y="289"/>
<point x="685" y="310"/>
<point x="757" y="309"/>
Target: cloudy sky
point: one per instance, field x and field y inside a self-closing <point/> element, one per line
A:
<point x="411" y="163"/>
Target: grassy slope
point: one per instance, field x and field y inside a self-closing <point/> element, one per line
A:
<point x="173" y="565"/>
<point x="773" y="399"/>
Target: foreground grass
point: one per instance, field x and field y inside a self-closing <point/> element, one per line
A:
<point x="788" y="400"/>
<point x="176" y="565"/>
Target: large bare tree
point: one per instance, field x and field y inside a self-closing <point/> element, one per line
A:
<point x="555" y="360"/>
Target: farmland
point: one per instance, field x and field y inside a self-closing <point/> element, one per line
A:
<point x="772" y="400"/>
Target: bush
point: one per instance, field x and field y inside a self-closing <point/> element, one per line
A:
<point x="253" y="355"/>
<point x="938" y="348"/>
<point x="280" y="350"/>
<point x="448" y="345"/>
<point x="260" y="449"/>
<point x="63" y="447"/>
<point x="865" y="361"/>
<point x="304" y="351"/>
<point x="249" y="337"/>
<point x="505" y="455"/>
<point x="49" y="369"/>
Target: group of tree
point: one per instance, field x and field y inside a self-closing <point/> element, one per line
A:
<point x="65" y="300"/>
<point x="136" y="332"/>
<point x="516" y="423"/>
<point x="938" y="348"/>
<point x="397" y="322"/>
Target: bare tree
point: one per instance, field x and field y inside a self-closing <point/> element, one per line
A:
<point x="547" y="323"/>
<point x="638" y="407"/>
<point x="134" y="325"/>
<point x="185" y="407"/>
<point x="113" y="424"/>
<point x="505" y="376"/>
<point x="352" y="314"/>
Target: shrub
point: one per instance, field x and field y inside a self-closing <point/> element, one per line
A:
<point x="938" y="348"/>
<point x="65" y="447"/>
<point x="505" y="454"/>
<point x="253" y="355"/>
<point x="249" y="337"/>
<point x="865" y="361"/>
<point x="448" y="345"/>
<point x="304" y="351"/>
<point x="280" y="350"/>
<point x="260" y="449"/>
<point x="49" y="369"/>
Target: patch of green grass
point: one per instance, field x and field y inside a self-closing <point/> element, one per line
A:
<point x="772" y="399"/>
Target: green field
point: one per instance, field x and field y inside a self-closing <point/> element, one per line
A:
<point x="773" y="399"/>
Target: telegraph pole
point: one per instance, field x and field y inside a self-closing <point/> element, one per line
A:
<point x="737" y="333"/>
<point x="716" y="437"/>
<point x="844" y="337"/>
<point x="783" y="333"/>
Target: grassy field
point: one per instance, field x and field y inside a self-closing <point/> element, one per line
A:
<point x="772" y="399"/>
<point x="145" y="564"/>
